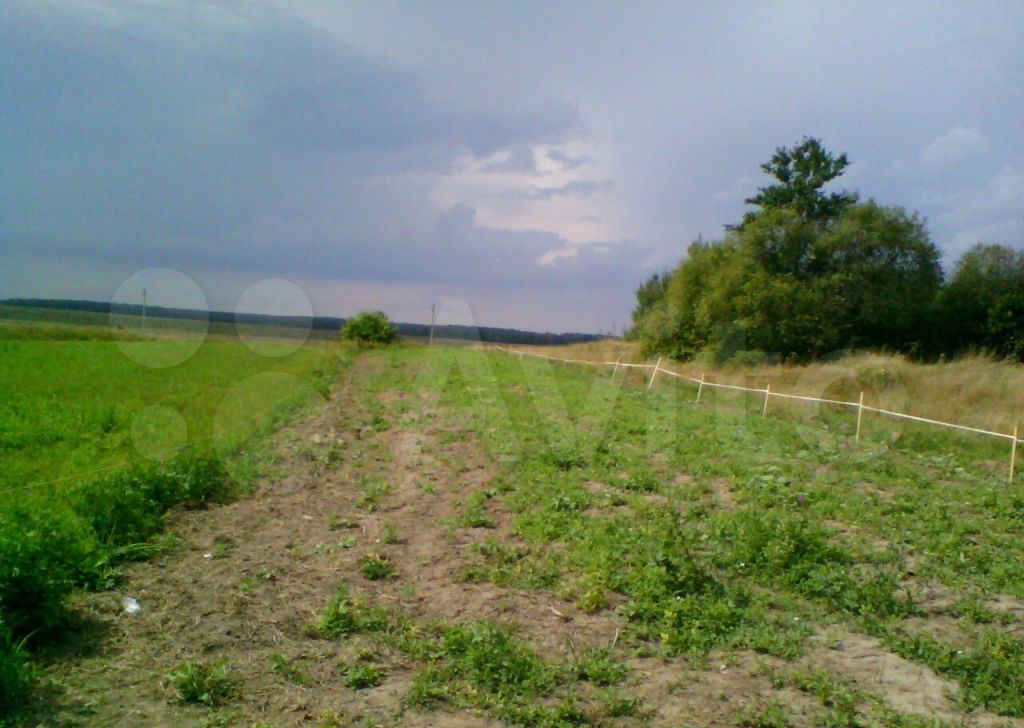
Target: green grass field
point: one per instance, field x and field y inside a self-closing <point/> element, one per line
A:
<point x="702" y="535"/>
<point x="95" y="446"/>
<point x="711" y="528"/>
<point x="71" y="408"/>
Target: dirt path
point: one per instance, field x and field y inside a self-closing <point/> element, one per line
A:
<point x="245" y="580"/>
<point x="378" y="475"/>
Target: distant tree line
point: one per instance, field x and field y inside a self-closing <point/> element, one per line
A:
<point x="810" y="272"/>
<point x="487" y="334"/>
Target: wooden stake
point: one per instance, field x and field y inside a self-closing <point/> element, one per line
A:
<point x="616" y="369"/>
<point x="860" y="414"/>
<point x="767" y="394"/>
<point x="1013" y="454"/>
<point x="700" y="388"/>
<point x="654" y="374"/>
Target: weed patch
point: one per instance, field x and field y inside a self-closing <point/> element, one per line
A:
<point x="346" y="615"/>
<point x="600" y="667"/>
<point x="362" y="676"/>
<point x="16" y="674"/>
<point x="201" y="683"/>
<point x="377" y="566"/>
<point x="484" y="664"/>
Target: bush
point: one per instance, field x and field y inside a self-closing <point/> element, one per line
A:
<point x="15" y="672"/>
<point x="128" y="507"/>
<point x="50" y="545"/>
<point x="46" y="550"/>
<point x="370" y="327"/>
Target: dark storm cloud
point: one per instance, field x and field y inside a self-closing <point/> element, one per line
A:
<point x="261" y="142"/>
<point x="399" y="143"/>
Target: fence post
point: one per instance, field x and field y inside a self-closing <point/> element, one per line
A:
<point x="616" y="369"/>
<point x="860" y="413"/>
<point x="1013" y="453"/>
<point x="654" y="374"/>
<point x="700" y="387"/>
<point x="767" y="394"/>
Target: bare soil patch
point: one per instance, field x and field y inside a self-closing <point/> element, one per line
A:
<point x="245" y="579"/>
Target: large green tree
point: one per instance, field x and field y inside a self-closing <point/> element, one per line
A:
<point x="808" y="274"/>
<point x="649" y="294"/>
<point x="982" y="306"/>
<point x="801" y="172"/>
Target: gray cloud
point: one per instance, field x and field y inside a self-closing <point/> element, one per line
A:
<point x="262" y="144"/>
<point x="576" y="188"/>
<point x="520" y="160"/>
<point x="319" y="139"/>
<point x="566" y="161"/>
<point x="952" y="147"/>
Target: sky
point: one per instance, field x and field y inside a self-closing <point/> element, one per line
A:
<point x="535" y="160"/>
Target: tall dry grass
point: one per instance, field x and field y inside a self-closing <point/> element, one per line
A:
<point x="973" y="390"/>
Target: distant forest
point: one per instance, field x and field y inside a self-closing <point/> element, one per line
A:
<point x="488" y="334"/>
<point x="811" y="272"/>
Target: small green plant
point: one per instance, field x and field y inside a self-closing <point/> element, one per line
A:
<point x="370" y="327"/>
<point x="16" y="674"/>
<point x="336" y="522"/>
<point x="772" y="715"/>
<point x="391" y="534"/>
<point x="363" y="676"/>
<point x="485" y="663"/>
<point x="640" y="483"/>
<point x="201" y="683"/>
<point x="332" y="719"/>
<point x="839" y="697"/>
<point x="600" y="667"/>
<point x="346" y="615"/>
<point x="374" y="491"/>
<point x="593" y="596"/>
<point x="283" y="667"/>
<point x="620" y="705"/>
<point x="377" y="566"/>
<point x="335" y="454"/>
<point x="475" y="512"/>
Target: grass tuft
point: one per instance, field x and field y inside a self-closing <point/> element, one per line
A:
<point x="377" y="567"/>
<point x="346" y="615"/>
<point x="200" y="683"/>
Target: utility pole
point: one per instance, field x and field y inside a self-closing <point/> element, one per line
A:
<point x="433" y="314"/>
<point x="143" y="309"/>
